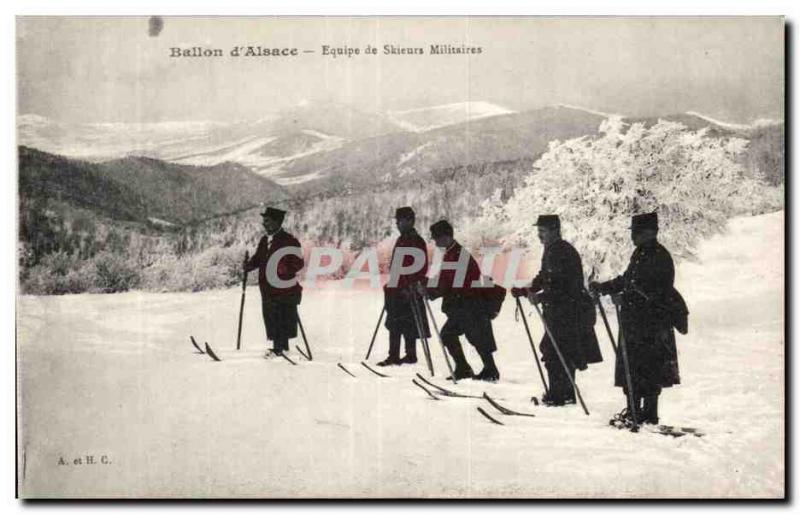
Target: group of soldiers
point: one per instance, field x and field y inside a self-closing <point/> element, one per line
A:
<point x="643" y="294"/>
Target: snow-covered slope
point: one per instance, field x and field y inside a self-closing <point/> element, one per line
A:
<point x="762" y="122"/>
<point x="266" y="145"/>
<point x="429" y="118"/>
<point x="115" y="375"/>
<point x="329" y="143"/>
<point x="103" y="141"/>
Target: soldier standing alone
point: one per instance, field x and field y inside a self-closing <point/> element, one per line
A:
<point x="645" y="292"/>
<point x="398" y="293"/>
<point x="279" y="300"/>
<point x="568" y="311"/>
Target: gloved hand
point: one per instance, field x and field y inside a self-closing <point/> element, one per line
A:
<point x="516" y="292"/>
<point x="594" y="287"/>
<point x="535" y="298"/>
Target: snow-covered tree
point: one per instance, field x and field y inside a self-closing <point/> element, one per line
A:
<point x="595" y="183"/>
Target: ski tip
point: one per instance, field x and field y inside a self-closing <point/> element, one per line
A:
<point x="211" y="353"/>
<point x="535" y="400"/>
<point x="487" y="416"/>
<point x="293" y="363"/>
<point x="373" y="371"/>
<point x="341" y="366"/>
<point x="430" y="394"/>
<point x="196" y="346"/>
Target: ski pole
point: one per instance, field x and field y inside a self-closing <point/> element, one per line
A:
<point x="241" y="305"/>
<point x="533" y="346"/>
<point x="418" y="323"/>
<point x="599" y="304"/>
<point x="305" y="340"/>
<point x="628" y="379"/>
<point x="561" y="358"/>
<point x="439" y="336"/>
<point x="375" y="333"/>
<point x="605" y="322"/>
<point x="415" y="311"/>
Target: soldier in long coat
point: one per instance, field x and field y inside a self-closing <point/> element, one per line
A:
<point x="642" y="292"/>
<point x="279" y="301"/>
<point x="401" y="295"/>
<point x="568" y="311"/>
<point x="464" y="303"/>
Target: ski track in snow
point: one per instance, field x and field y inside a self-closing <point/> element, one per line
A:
<point x="117" y="375"/>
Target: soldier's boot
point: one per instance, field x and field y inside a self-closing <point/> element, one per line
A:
<point x="280" y="346"/>
<point x="411" y="350"/>
<point x="635" y="407"/>
<point x="569" y="390"/>
<point x="650" y="410"/>
<point x="394" y="350"/>
<point x="463" y="369"/>
<point x="557" y="393"/>
<point x="489" y="372"/>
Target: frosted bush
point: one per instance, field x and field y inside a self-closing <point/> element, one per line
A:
<point x="595" y="183"/>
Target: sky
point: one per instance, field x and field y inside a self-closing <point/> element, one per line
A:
<point x="111" y="69"/>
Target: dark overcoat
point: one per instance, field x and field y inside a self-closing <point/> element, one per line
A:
<point x="400" y="295"/>
<point x="279" y="303"/>
<point x="567" y="307"/>
<point x="643" y="290"/>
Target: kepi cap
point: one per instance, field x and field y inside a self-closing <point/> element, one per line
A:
<point x="548" y="221"/>
<point x="274" y="214"/>
<point x="644" y="221"/>
<point x="404" y="212"/>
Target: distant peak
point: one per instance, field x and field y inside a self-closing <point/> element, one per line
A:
<point x="724" y="124"/>
<point x="428" y="118"/>
<point x="590" y="111"/>
<point x="476" y="105"/>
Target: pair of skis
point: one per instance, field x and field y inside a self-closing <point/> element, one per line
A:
<point x="367" y="366"/>
<point x="307" y="354"/>
<point x="208" y="351"/>
<point x="436" y="391"/>
<point x="213" y="355"/>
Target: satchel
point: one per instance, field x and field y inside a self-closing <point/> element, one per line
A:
<point x="494" y="297"/>
<point x="678" y="312"/>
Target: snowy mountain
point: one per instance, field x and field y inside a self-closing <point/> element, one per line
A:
<point x="429" y="118"/>
<point x="313" y="146"/>
<point x="103" y="141"/>
<point x="488" y="140"/>
<point x="264" y="145"/>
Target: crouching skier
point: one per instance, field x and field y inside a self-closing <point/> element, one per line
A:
<point x="464" y="304"/>
<point x="649" y="309"/>
<point x="278" y="258"/>
<point x="568" y="311"/>
<point x="399" y="291"/>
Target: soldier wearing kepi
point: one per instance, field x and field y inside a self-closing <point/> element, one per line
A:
<point x="464" y="303"/>
<point x="278" y="258"/>
<point x="400" y="319"/>
<point x="644" y="290"/>
<point x="568" y="311"/>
